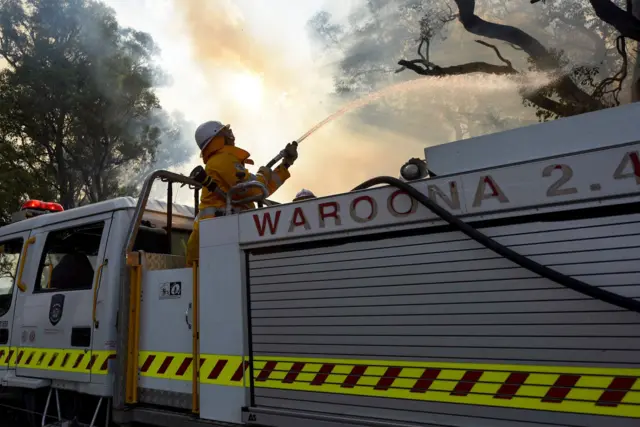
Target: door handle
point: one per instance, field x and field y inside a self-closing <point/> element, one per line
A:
<point x="186" y="316"/>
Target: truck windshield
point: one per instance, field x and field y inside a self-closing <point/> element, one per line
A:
<point x="9" y="259"/>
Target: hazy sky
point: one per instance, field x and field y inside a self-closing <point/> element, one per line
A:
<point x="251" y="63"/>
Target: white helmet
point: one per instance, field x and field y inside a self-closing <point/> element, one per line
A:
<point x="303" y="195"/>
<point x="207" y="131"/>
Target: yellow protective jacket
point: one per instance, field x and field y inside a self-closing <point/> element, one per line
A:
<point x="227" y="168"/>
<point x="225" y="165"/>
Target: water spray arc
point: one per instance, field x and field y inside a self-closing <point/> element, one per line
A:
<point x="488" y="83"/>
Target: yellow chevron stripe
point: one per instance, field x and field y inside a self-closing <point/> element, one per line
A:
<point x="584" y="390"/>
<point x="63" y="360"/>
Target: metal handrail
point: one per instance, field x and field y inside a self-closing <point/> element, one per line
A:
<point x="245" y="186"/>
<point x="144" y="198"/>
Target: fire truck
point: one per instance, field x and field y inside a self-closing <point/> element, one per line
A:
<point x="498" y="285"/>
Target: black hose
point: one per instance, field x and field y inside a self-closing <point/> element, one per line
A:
<point x="488" y="242"/>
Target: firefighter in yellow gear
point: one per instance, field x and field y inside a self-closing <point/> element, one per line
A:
<point x="225" y="167"/>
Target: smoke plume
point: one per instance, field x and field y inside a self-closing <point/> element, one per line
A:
<point x="257" y="66"/>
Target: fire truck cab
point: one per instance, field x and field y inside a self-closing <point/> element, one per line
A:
<point x="60" y="284"/>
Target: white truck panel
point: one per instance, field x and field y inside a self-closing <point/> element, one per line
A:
<point x="222" y="313"/>
<point x="579" y="177"/>
<point x="588" y="131"/>
<point x="166" y="321"/>
<point x="367" y="306"/>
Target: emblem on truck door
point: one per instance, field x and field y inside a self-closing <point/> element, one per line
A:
<point x="56" y="308"/>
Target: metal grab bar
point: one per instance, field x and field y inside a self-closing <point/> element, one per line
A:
<point x="96" y="288"/>
<point x="30" y="241"/>
<point x="144" y="198"/>
<point x="245" y="186"/>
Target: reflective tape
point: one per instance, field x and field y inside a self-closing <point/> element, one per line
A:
<point x="584" y="390"/>
<point x="63" y="360"/>
<point x="219" y="370"/>
<point x="597" y="391"/>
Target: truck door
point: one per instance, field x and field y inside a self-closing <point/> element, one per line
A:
<point x="54" y="312"/>
<point x="11" y="248"/>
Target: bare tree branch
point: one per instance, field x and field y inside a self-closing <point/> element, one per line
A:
<point x="623" y="21"/>
<point x="619" y="77"/>
<point x="495" y="49"/>
<point x="548" y="104"/>
<point x="538" y="53"/>
<point x="455" y="70"/>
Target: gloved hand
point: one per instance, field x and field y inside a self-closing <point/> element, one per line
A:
<point x="266" y="172"/>
<point x="291" y="153"/>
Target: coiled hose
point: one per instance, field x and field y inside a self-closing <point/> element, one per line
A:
<point x="488" y="242"/>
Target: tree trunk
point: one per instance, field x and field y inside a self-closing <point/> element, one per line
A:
<point x="635" y="84"/>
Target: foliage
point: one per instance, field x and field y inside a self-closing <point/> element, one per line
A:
<point x="587" y="56"/>
<point x="78" y="110"/>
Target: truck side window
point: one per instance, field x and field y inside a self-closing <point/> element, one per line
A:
<point x="69" y="258"/>
<point x="9" y="258"/>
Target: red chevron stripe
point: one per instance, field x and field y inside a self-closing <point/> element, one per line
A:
<point x="239" y="374"/>
<point x="293" y="372"/>
<point x="467" y="382"/>
<point x="511" y="385"/>
<point x="388" y="378"/>
<point x="269" y="367"/>
<point x="184" y="366"/>
<point x="78" y="360"/>
<point x="616" y="391"/>
<point x="105" y="364"/>
<point x="165" y="365"/>
<point x="561" y="388"/>
<point x="147" y="363"/>
<point x="324" y="373"/>
<point x="92" y="361"/>
<point x="53" y="359"/>
<point x="425" y="381"/>
<point x="65" y="359"/>
<point x="352" y="379"/>
<point x="217" y="369"/>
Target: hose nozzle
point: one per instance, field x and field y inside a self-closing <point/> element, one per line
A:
<point x="280" y="156"/>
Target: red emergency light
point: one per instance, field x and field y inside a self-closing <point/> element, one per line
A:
<point x="42" y="206"/>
